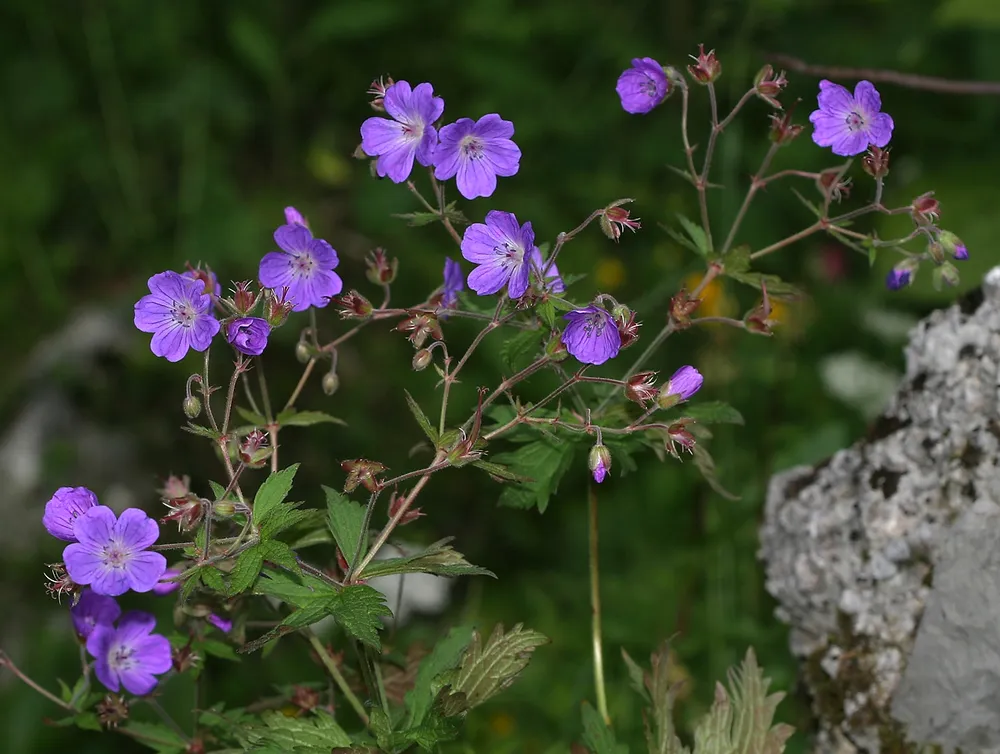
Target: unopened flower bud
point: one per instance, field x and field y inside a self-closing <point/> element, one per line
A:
<point x="685" y="382"/>
<point x="223" y="509"/>
<point x="352" y="305"/>
<point x="112" y="710"/>
<point x="422" y="359"/>
<point x="832" y="183"/>
<point x="901" y="275"/>
<point x="945" y="275"/>
<point x="379" y="269"/>
<point x="641" y="388"/>
<point x="768" y="86"/>
<point x="244" y="299"/>
<point x="599" y="462"/>
<point x="678" y="435"/>
<point x="58" y="584"/>
<point x="925" y="209"/>
<point x="682" y="306"/>
<point x="255" y="449"/>
<point x="396" y="503"/>
<point x="758" y="320"/>
<point x="706" y="68"/>
<point x="935" y="251"/>
<point x="628" y="328"/>
<point x="305" y="698"/>
<point x="362" y="472"/>
<point x="555" y="349"/>
<point x="615" y="219"/>
<point x="419" y="326"/>
<point x="953" y="245"/>
<point x="277" y="307"/>
<point x="192" y="407"/>
<point x="186" y="510"/>
<point x="303" y="354"/>
<point x="330" y="383"/>
<point x="876" y="162"/>
<point x="783" y="130"/>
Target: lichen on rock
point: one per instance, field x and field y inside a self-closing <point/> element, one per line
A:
<point x="853" y="548"/>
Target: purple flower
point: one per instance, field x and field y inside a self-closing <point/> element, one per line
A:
<point x="220" y="623"/>
<point x="130" y="655"/>
<point x="454" y="281"/>
<point x="208" y="279"/>
<point x="65" y="506"/>
<point x="304" y="265"/>
<point x="476" y="152"/>
<point x="248" y="335"/>
<point x="179" y="314"/>
<point x="165" y="585"/>
<point x="499" y="248"/>
<point x="294" y="217"/>
<point x="409" y="134"/>
<point x="591" y="336"/>
<point x="553" y="281"/>
<point x="599" y="462"/>
<point x="897" y="278"/>
<point x="111" y="553"/>
<point x="684" y="383"/>
<point x="961" y="253"/>
<point x="643" y="86"/>
<point x="92" y="610"/>
<point x="848" y="124"/>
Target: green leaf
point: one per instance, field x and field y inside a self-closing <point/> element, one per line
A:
<point x="446" y="655"/>
<point x="272" y="493"/>
<point x="636" y="676"/>
<point x="547" y="312"/>
<point x="544" y="464"/>
<point x="706" y="465"/>
<point x="359" y="610"/>
<point x="157" y="737"/>
<point x="775" y="285"/>
<point x="285" y="516"/>
<point x="418" y="219"/>
<point x="695" y="239"/>
<point x="197" y="429"/>
<point x="487" y="670"/>
<point x="661" y="735"/>
<point x="520" y="350"/>
<point x="500" y="472"/>
<point x="345" y="519"/>
<point x="811" y="206"/>
<point x="737" y="261"/>
<point x="713" y="412"/>
<point x="438" y="559"/>
<point x="212" y="578"/>
<point x="280" y="554"/>
<point x="252" y="416"/>
<point x="293" y="418"/>
<point x="315" y="734"/>
<point x="597" y="736"/>
<point x="218" y="491"/>
<point x="296" y="590"/>
<point x="421" y="417"/>
<point x="219" y="649"/>
<point x="245" y="570"/>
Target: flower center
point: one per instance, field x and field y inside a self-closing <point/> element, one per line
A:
<point x="303" y="265"/>
<point x="184" y="314"/>
<point x="855" y="121"/>
<point x="412" y="131"/>
<point x="471" y="147"/>
<point x="594" y="324"/>
<point x="512" y="254"/>
<point x="120" y="658"/>
<point x="648" y="87"/>
<point x="115" y="556"/>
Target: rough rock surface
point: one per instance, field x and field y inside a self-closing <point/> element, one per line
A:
<point x="885" y="561"/>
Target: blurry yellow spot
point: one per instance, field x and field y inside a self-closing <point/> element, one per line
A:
<point x="328" y="167"/>
<point x="714" y="301"/>
<point x="502" y="724"/>
<point x="610" y="273"/>
<point x="779" y="312"/>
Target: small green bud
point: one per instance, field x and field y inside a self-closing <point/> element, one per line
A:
<point x="330" y="383"/>
<point x="192" y="407"/>
<point x="422" y="359"/>
<point x="302" y="352"/>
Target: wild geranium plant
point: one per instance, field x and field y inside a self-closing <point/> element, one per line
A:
<point x="248" y="567"/>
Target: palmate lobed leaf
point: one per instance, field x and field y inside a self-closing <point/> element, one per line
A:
<point x="488" y="669"/>
<point x="315" y="734"/>
<point x="345" y="519"/>
<point x="438" y="559"/>
<point x="597" y="736"/>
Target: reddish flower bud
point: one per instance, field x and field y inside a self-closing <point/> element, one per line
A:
<point x="422" y="359"/>
<point x="832" y="183"/>
<point x="206" y="276"/>
<point x="628" y="328"/>
<point x="783" y="130"/>
<point x="706" y="68"/>
<point x="352" y="305"/>
<point x="419" y="326"/>
<point x="184" y="658"/>
<point x="925" y="209"/>
<point x="682" y="306"/>
<point x="768" y="86"/>
<point x="396" y="502"/>
<point x="175" y="487"/>
<point x="377" y="92"/>
<point x="305" y="698"/>
<point x="187" y="511"/>
<point x="935" y="251"/>
<point x="379" y="268"/>
<point x="362" y="472"/>
<point x="58" y="584"/>
<point x="245" y="299"/>
<point x="876" y="162"/>
<point x="615" y="219"/>
<point x="758" y="320"/>
<point x="641" y="388"/>
<point x="255" y="449"/>
<point x="277" y="307"/>
<point x="112" y="710"/>
<point x="678" y="435"/>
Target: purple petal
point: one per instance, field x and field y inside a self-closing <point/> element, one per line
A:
<point x="850" y="143"/>
<point x="834" y="98"/>
<point x="504" y="157"/>
<point x="275" y="270"/>
<point x="170" y="343"/>
<point x="478" y="243"/>
<point x="95" y="527"/>
<point x="83" y="565"/>
<point x="492" y="126"/>
<point x="93" y="610"/>
<point x="63" y="508"/>
<point x="136" y="530"/>
<point x="292" y="238"/>
<point x="880" y="129"/>
<point x="867" y="96"/>
<point x="398" y="100"/>
<point x="505" y="225"/>
<point x="519" y="280"/>
<point x="109" y="581"/>
<point x="428" y="144"/>
<point x="294" y="217"/>
<point x="381" y="135"/>
<point x="164" y="586"/>
<point x="144" y="570"/>
<point x="488" y="278"/>
<point x="205" y="328"/>
<point x="151" y="313"/>
<point x="475" y="178"/>
<point x="99" y="646"/>
<point x="323" y="254"/>
<point x="220" y="623"/>
<point x="397" y="163"/>
<point x="135" y="626"/>
<point x="426" y="104"/>
<point x="155" y="653"/>
<point x="138" y="681"/>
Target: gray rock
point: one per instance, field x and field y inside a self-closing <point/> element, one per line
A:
<point x="856" y="548"/>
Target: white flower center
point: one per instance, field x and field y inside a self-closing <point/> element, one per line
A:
<point x="855" y="121"/>
<point x="184" y="313"/>
<point x="115" y="555"/>
<point x="648" y="87"/>
<point x="120" y="658"/>
<point x="303" y="265"/>
<point x="471" y="147"/>
<point x="512" y="254"/>
<point x="594" y="324"/>
<point x="412" y="131"/>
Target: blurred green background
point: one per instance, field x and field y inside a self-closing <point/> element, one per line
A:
<point x="137" y="136"/>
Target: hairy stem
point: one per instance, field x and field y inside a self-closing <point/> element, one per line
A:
<point x="338" y="677"/>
